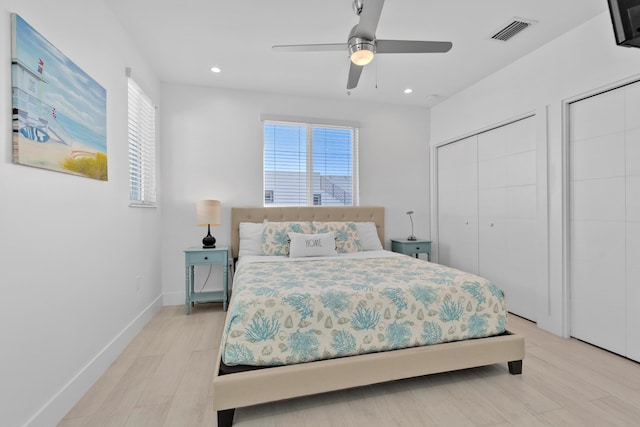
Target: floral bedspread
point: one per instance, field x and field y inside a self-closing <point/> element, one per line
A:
<point x="293" y="312"/>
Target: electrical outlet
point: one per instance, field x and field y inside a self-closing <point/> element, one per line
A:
<point x="137" y="283"/>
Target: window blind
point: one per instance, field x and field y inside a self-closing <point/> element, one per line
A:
<point x="142" y="147"/>
<point x="310" y="165"/>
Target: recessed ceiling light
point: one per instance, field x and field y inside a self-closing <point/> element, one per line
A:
<point x="408" y="90"/>
<point x="215" y="69"/>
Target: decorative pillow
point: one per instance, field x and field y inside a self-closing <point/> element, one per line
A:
<point x="304" y="245"/>
<point x="250" y="238"/>
<point x="347" y="238"/>
<point x="275" y="235"/>
<point x="368" y="236"/>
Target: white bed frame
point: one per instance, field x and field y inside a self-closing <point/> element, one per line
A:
<point x="252" y="387"/>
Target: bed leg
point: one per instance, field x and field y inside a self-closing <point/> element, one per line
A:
<point x="515" y="367"/>
<point x="225" y="417"/>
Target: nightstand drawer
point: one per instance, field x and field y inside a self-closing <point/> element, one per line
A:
<point x="217" y="257"/>
<point x="413" y="248"/>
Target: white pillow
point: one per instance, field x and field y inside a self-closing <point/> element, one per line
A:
<point x="305" y="245"/>
<point x="250" y="239"/>
<point x="368" y="236"/>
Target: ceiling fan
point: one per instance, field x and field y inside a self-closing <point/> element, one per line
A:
<point x="362" y="44"/>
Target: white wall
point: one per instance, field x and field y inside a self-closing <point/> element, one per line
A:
<point x="576" y="63"/>
<point x="212" y="148"/>
<point x="70" y="247"/>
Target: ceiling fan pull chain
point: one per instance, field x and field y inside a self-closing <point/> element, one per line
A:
<point x="376" y="74"/>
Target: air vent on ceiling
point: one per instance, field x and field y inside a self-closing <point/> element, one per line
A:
<point x="511" y="29"/>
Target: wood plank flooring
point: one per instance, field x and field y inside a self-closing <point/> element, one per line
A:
<point x="163" y="378"/>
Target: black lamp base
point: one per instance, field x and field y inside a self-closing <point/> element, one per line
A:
<point x="412" y="238"/>
<point x="209" y="242"/>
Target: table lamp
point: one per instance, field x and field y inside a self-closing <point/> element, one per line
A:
<point x="208" y="213"/>
<point x="411" y="237"/>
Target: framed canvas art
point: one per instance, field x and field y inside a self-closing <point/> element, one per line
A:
<point x="59" y="112"/>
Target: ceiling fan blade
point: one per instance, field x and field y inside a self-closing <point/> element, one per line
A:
<point x="354" y="75"/>
<point x="331" y="47"/>
<point x="411" y="46"/>
<point x="369" y="17"/>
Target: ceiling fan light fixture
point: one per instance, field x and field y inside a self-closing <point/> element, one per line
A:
<point x="362" y="57"/>
<point x="362" y="52"/>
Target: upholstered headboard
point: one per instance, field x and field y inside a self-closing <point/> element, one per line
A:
<point x="324" y="213"/>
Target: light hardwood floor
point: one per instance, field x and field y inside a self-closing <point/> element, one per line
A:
<point x="163" y="378"/>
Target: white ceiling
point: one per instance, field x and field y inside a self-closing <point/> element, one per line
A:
<point x="182" y="40"/>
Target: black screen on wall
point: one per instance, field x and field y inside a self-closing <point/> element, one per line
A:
<point x="625" y="15"/>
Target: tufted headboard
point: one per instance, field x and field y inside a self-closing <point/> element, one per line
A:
<point x="319" y="213"/>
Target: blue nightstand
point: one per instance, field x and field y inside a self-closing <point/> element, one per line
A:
<point x="410" y="247"/>
<point x="199" y="256"/>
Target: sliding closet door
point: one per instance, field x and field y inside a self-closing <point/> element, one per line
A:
<point x="487" y="210"/>
<point x="458" y="205"/>
<point x="507" y="212"/>
<point x="598" y="256"/>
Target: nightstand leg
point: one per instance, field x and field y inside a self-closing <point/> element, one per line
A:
<point x="188" y="287"/>
<point x="225" y="286"/>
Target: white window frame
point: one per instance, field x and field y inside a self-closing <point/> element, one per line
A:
<point x="310" y="125"/>
<point x="142" y="147"/>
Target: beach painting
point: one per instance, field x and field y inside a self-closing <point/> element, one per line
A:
<point x="59" y="112"/>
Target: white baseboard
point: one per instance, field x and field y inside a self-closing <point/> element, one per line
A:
<point x="62" y="402"/>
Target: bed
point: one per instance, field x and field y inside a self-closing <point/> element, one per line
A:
<point x="272" y="371"/>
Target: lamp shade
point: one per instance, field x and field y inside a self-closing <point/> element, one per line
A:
<point x="208" y="212"/>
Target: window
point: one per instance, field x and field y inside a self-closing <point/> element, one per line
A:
<point x="310" y="165"/>
<point x="142" y="148"/>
